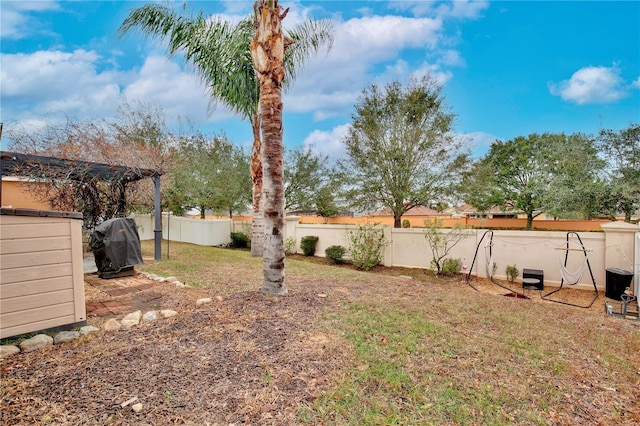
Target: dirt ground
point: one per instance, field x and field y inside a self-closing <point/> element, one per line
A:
<point x="240" y="360"/>
<point x="243" y="359"/>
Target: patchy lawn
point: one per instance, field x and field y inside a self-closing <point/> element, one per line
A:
<point x="345" y="347"/>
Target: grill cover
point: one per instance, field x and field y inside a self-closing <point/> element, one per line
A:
<point x="116" y="245"/>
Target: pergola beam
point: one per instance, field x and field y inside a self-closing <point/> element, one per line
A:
<point x="17" y="164"/>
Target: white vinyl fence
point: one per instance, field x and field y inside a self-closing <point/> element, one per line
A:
<point x="615" y="247"/>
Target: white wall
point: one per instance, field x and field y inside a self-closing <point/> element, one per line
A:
<point x="207" y="232"/>
<point x="409" y="248"/>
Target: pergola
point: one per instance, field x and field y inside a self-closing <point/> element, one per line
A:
<point x="16" y="164"/>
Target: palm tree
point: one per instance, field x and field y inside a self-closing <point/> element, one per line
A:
<point x="219" y="52"/>
<point x="267" y="50"/>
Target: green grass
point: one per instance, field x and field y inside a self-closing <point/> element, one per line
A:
<point x="440" y="353"/>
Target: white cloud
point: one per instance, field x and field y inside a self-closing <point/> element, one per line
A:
<point x="58" y="83"/>
<point x="363" y="53"/>
<point x="162" y="82"/>
<point x="462" y="9"/>
<point x="434" y="70"/>
<point x="479" y="142"/>
<point x="468" y="9"/>
<point x="16" y="21"/>
<point x="591" y="85"/>
<point x="452" y="57"/>
<point x="328" y="143"/>
<point x="71" y="84"/>
<point x="636" y="83"/>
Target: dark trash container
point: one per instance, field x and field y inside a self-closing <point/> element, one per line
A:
<point x="617" y="281"/>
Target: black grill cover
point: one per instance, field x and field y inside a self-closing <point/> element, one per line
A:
<point x="116" y="245"/>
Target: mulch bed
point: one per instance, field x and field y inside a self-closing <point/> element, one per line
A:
<point x="243" y="360"/>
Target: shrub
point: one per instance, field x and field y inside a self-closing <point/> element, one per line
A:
<point x="335" y="253"/>
<point x="290" y="245"/>
<point x="451" y="266"/>
<point x="441" y="241"/>
<point x="512" y="272"/>
<point x="365" y="246"/>
<point x="308" y="245"/>
<point x="406" y="223"/>
<point x="240" y="240"/>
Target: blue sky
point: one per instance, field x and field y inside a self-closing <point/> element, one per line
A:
<point x="509" y="68"/>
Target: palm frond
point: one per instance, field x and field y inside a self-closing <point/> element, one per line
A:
<point x="309" y="38"/>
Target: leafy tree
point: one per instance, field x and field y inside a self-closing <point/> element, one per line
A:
<point x="233" y="183"/>
<point x="622" y="151"/>
<point x="211" y="174"/>
<point x="325" y="204"/>
<point x="136" y="139"/>
<point x="401" y="152"/>
<point x="519" y="176"/>
<point x="575" y="168"/>
<point x="220" y="54"/>
<point x="306" y="174"/>
<point x="551" y="173"/>
<point x="478" y="186"/>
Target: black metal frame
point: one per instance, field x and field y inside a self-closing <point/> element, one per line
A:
<point x="566" y="257"/>
<point x="490" y="233"/>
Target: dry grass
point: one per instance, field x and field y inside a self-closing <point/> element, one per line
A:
<point x="345" y="347"/>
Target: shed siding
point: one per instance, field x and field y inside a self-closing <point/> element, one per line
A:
<point x="33" y="287"/>
<point x="41" y="277"/>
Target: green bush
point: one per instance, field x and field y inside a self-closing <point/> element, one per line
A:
<point x="365" y="246"/>
<point x="335" y="253"/>
<point x="406" y="223"/>
<point x="512" y="272"/>
<point x="240" y="240"/>
<point x="289" y="245"/>
<point x="308" y="245"/>
<point x="451" y="266"/>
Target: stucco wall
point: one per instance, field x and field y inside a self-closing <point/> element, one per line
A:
<point x="526" y="249"/>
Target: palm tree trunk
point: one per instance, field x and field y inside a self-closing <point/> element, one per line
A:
<point x="257" y="229"/>
<point x="267" y="51"/>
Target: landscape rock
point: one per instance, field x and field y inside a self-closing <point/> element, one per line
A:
<point x="65" y="336"/>
<point x="172" y="279"/>
<point x="88" y="329"/>
<point x="219" y="298"/>
<point x="203" y="301"/>
<point x="179" y="284"/>
<point x="150" y="316"/>
<point x="111" y="325"/>
<point x="8" y="350"/>
<point x="168" y="313"/>
<point x="36" y="342"/>
<point x="405" y="277"/>
<point x="131" y="319"/>
<point x="137" y="407"/>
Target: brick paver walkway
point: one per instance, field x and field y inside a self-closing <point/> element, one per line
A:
<point x="116" y="288"/>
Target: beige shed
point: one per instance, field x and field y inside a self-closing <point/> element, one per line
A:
<point x="41" y="271"/>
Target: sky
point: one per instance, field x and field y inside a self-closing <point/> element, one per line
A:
<point x="508" y="68"/>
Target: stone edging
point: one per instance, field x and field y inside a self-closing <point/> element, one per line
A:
<point x="132" y="319"/>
